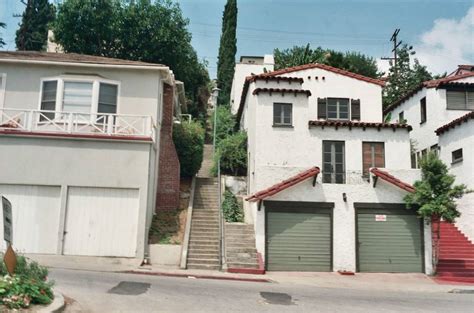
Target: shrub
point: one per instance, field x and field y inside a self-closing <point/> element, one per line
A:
<point x="225" y="123"/>
<point x="27" y="286"/>
<point x="232" y="152"/>
<point x="231" y="208"/>
<point x="188" y="139"/>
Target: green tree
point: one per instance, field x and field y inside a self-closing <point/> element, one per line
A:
<point x="2" y="43"/>
<point x="435" y="194"/>
<point x="350" y="61"/>
<point x="141" y="30"/>
<point x="188" y="139"/>
<point x="227" y="51"/>
<point x="403" y="77"/>
<point x="33" y="32"/>
<point x="232" y="155"/>
<point x="225" y="123"/>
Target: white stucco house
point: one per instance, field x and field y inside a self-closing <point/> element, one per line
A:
<point x="86" y="154"/>
<point x="434" y="109"/>
<point x="326" y="176"/>
<point x="248" y="65"/>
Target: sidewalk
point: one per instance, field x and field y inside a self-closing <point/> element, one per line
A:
<point x="360" y="281"/>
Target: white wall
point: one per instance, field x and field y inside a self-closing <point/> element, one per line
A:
<point x="243" y="70"/>
<point x="436" y="115"/>
<point x="461" y="136"/>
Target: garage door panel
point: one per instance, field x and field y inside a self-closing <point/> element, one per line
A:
<point x="390" y="245"/>
<point x="101" y="222"/>
<point x="36" y="214"/>
<point x="298" y="241"/>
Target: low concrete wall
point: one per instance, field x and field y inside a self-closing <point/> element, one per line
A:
<point x="165" y="254"/>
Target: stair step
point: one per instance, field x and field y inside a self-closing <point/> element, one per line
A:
<point x="202" y="255"/>
<point x="242" y="265"/>
<point x="456" y="274"/>
<point x="211" y="261"/>
<point x="198" y="266"/>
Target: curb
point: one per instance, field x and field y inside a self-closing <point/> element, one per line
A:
<point x="56" y="306"/>
<point x="198" y="276"/>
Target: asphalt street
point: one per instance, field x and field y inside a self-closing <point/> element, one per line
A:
<point x="117" y="292"/>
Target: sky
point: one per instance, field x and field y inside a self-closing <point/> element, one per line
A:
<point x="441" y="31"/>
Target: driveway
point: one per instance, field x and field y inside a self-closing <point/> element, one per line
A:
<point x="117" y="292"/>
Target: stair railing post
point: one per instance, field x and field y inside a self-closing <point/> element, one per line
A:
<point x="221" y="217"/>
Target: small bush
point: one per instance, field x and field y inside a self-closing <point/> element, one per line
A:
<point x="188" y="139"/>
<point x="27" y="286"/>
<point x="225" y="123"/>
<point x="232" y="152"/>
<point x="231" y="208"/>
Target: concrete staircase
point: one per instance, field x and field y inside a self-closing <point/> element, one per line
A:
<point x="456" y="255"/>
<point x="241" y="254"/>
<point x="203" y="249"/>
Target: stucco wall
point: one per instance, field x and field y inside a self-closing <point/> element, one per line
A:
<point x="436" y="115"/>
<point x="344" y="258"/>
<point x="80" y="163"/>
<point x="461" y="136"/>
<point x="139" y="91"/>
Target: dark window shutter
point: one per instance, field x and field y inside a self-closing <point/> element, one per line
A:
<point x="355" y="109"/>
<point x="322" y="108"/>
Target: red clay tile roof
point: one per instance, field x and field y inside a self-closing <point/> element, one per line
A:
<point x="427" y="84"/>
<point x="281" y="90"/>
<point x="284" y="184"/>
<point x="350" y="124"/>
<point x="392" y="179"/>
<point x="327" y="68"/>
<point x="69" y="58"/>
<point x="463" y="119"/>
<point x="274" y="78"/>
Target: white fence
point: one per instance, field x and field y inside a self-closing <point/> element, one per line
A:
<point x="77" y="123"/>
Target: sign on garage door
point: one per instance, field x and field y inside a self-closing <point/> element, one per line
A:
<point x="389" y="240"/>
<point x="101" y="222"/>
<point x="298" y="237"/>
<point x="35" y="211"/>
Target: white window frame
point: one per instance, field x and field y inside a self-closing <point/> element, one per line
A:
<point x="338" y="109"/>
<point x="3" y="87"/>
<point x="95" y="80"/>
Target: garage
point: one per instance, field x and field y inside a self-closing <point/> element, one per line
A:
<point x="101" y="222"/>
<point x="35" y="214"/>
<point x="389" y="239"/>
<point x="298" y="236"/>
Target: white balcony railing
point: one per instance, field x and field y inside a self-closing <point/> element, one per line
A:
<point x="77" y="123"/>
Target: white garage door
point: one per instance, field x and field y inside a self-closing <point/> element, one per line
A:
<point x="101" y="222"/>
<point x="35" y="211"/>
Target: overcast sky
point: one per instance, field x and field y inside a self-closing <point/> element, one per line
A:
<point x="441" y="31"/>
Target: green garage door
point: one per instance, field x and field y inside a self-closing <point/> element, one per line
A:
<point x="389" y="240"/>
<point x="298" y="238"/>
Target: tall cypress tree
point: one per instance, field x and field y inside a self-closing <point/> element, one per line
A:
<point x="33" y="31"/>
<point x="2" y="43"/>
<point x="227" y="51"/>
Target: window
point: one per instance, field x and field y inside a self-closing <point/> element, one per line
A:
<point x="435" y="149"/>
<point x="338" y="108"/>
<point x="401" y="118"/>
<point x="460" y="99"/>
<point x="413" y="160"/>
<point x="424" y="153"/>
<point x="333" y="162"/>
<point x="456" y="156"/>
<point x="3" y="81"/>
<point x="418" y="159"/>
<point x="282" y="114"/>
<point x="78" y="95"/>
<point x="48" y="99"/>
<point x="373" y="155"/>
<point x="423" y="110"/>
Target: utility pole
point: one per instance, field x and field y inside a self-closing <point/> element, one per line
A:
<point x="396" y="44"/>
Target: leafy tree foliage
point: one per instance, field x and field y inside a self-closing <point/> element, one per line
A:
<point x="233" y="212"/>
<point x="232" y="153"/>
<point x="142" y="30"/>
<point x="188" y="139"/>
<point x="225" y="123"/>
<point x="227" y="51"/>
<point x="33" y="32"/>
<point x="350" y="61"/>
<point x="404" y="77"/>
<point x="435" y="194"/>
<point x="2" y="43"/>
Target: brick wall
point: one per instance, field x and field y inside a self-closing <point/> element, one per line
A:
<point x="168" y="175"/>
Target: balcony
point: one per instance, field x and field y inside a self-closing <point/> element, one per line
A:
<point x="68" y="124"/>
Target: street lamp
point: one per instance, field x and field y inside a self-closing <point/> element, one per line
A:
<point x="214" y="95"/>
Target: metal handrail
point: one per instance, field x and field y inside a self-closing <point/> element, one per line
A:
<point x="221" y="216"/>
